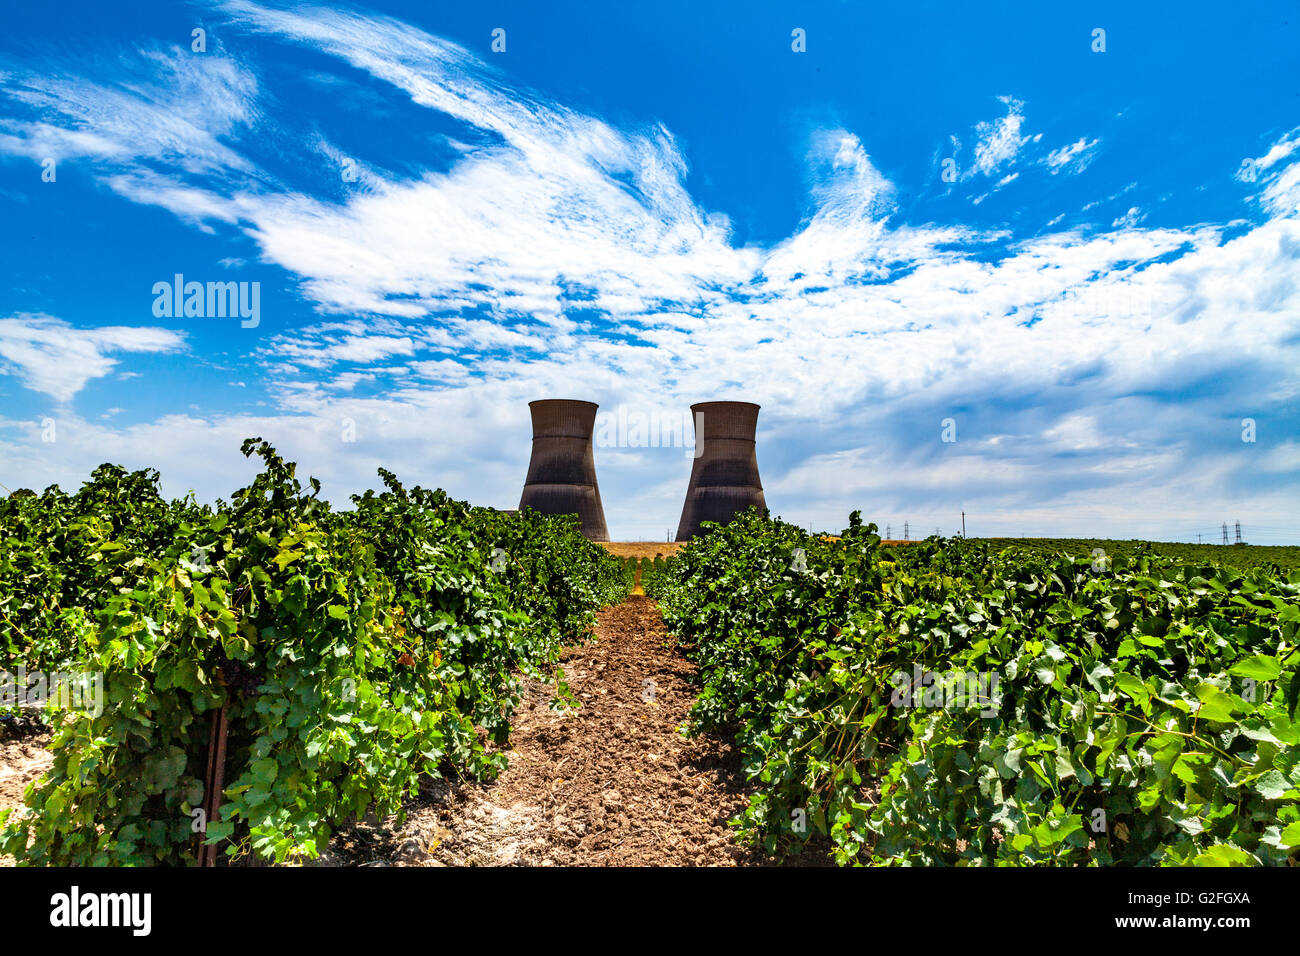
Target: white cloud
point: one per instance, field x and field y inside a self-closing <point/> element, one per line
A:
<point x="1278" y="151"/>
<point x="58" y="359"/>
<point x="999" y="141"/>
<point x="1129" y="219"/>
<point x="1073" y="158"/>
<point x="163" y="105"/>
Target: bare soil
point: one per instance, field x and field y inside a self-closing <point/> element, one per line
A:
<point x="23" y="758"/>
<point x="613" y="783"/>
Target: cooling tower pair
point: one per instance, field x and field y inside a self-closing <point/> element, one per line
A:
<point x="562" y="470"/>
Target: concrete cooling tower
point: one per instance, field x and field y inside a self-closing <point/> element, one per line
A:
<point x="562" y="470"/>
<point x="724" y="478"/>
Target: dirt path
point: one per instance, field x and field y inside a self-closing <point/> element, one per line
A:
<point x="612" y="784"/>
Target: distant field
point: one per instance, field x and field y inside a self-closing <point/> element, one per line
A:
<point x="1232" y="555"/>
<point x="642" y="549"/>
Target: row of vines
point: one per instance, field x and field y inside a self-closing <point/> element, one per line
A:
<point x="353" y="652"/>
<point x="957" y="703"/>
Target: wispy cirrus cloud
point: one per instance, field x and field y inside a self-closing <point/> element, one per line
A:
<point x="1279" y="151"/>
<point x="1281" y="192"/>
<point x="999" y="141"/>
<point x="161" y="105"/>
<point x="1073" y="158"/>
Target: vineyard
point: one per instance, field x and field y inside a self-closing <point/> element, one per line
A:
<point x="347" y="653"/>
<point x="944" y="702"/>
<point x="1286" y="557"/>
<point x="963" y="703"/>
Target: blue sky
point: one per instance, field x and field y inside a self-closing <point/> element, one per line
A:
<point x="1089" y="261"/>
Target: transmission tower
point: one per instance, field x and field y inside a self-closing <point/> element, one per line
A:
<point x="906" y="532"/>
<point x="889" y="532"/>
<point x="1238" y="532"/>
<point x="1225" y="532"/>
